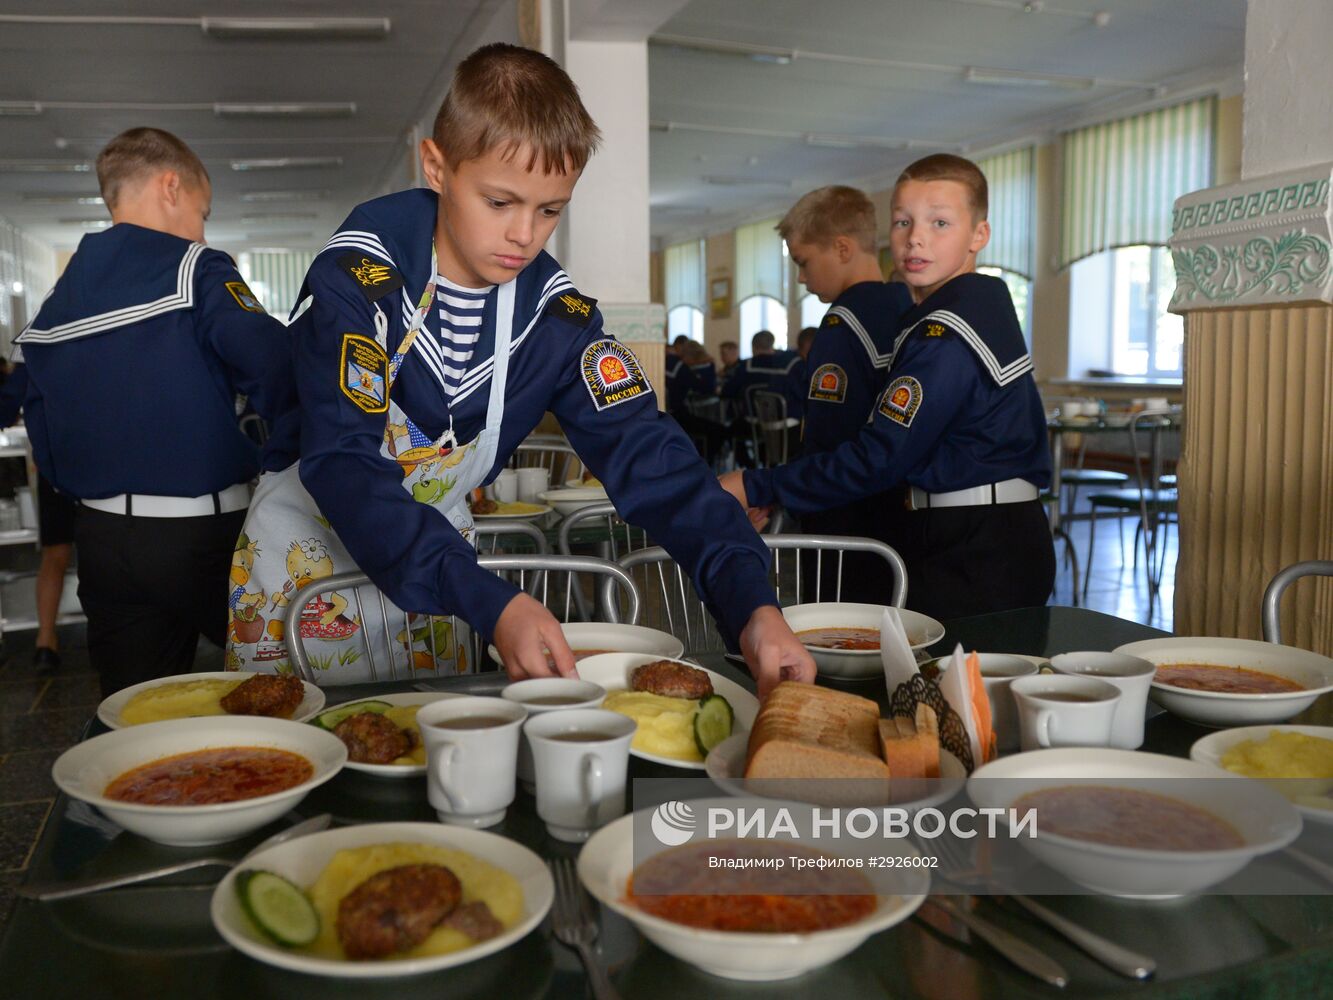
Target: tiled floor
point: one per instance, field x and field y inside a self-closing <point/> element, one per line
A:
<point x="41" y="716"/>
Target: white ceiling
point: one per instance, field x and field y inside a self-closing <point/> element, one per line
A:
<point x="702" y="181"/>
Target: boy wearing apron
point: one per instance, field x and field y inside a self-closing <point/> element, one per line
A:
<point x="437" y="335"/>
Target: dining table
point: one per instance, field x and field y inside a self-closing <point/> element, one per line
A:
<point x="157" y="940"/>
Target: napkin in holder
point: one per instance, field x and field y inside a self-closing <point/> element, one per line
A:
<point x="895" y="652"/>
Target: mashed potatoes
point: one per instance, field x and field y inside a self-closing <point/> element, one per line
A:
<point x="1303" y="763"/>
<point x="481" y="881"/>
<point x="181" y="700"/>
<point x="405" y="717"/>
<point x="666" y="725"/>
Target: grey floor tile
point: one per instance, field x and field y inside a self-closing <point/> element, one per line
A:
<point x="72" y="690"/>
<point x="20" y="825"/>
<point x="42" y="730"/>
<point x="17" y="696"/>
<point x="26" y="775"/>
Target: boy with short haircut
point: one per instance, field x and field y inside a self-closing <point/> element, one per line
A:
<point x="438" y="334"/>
<point x="960" y="419"/>
<point x="133" y="366"/>
<point x="830" y="236"/>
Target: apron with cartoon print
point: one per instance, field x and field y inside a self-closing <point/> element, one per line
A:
<point x="287" y="544"/>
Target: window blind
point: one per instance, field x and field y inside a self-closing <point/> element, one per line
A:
<point x="1010" y="180"/>
<point x="275" y="277"/>
<point x="685" y="275"/>
<point x="1122" y="177"/>
<point x="760" y="264"/>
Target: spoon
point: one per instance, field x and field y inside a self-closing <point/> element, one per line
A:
<point x="82" y="887"/>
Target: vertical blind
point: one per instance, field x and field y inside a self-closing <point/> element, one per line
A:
<point x="275" y="277"/>
<point x="685" y="275"/>
<point x="1121" y="178"/>
<point x="1010" y="180"/>
<point x="27" y="272"/>
<point x="760" y="263"/>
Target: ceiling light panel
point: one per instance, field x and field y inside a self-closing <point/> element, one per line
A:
<point x="296" y="28"/>
<point x="63" y="199"/>
<point x="287" y="163"/>
<point x="342" y="109"/>
<point x="20" y="108"/>
<point x="44" y="167"/>
<point x="272" y="196"/>
<point x="1022" y="78"/>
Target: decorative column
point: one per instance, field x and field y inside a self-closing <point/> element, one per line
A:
<point x="1254" y="281"/>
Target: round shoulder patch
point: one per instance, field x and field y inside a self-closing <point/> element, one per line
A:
<point x="612" y="374"/>
<point x="901" y="400"/>
<point x="828" y="384"/>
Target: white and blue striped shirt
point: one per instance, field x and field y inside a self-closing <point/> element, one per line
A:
<point x="460" y="328"/>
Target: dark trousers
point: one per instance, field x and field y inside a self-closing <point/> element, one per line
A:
<point x="150" y="586"/>
<point x="965" y="561"/>
<point x="866" y="578"/>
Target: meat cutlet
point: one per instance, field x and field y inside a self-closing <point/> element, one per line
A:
<point x="265" y="694"/>
<point x="372" y="738"/>
<point x="396" y="909"/>
<point x="671" y="680"/>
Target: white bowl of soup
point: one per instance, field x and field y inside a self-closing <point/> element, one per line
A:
<point x="1233" y="682"/>
<point x="1139" y="825"/>
<point x="199" y="781"/>
<point x="843" y="637"/>
<point x="594" y="638"/>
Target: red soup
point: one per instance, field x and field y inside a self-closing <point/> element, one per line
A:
<point x="205" y="777"/>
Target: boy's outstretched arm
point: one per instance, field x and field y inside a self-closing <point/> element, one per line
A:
<point x="773" y="653"/>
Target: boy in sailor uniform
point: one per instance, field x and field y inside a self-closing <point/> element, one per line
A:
<point x="959" y="420"/>
<point x="134" y="363"/>
<point x="439" y="312"/>
<point x="830" y="235"/>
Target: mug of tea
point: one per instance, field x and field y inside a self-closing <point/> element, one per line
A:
<point x="1061" y="710"/>
<point x="581" y="758"/>
<point x="532" y="482"/>
<point x="505" y="487"/>
<point x="1130" y="674"/>
<point x="540" y="695"/>
<point x="998" y="672"/>
<point x="471" y="757"/>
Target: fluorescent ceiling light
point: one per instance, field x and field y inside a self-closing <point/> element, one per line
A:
<point x="296" y="28"/>
<point x="44" y="167"/>
<point x="86" y="223"/>
<point x="1022" y="78"/>
<point x="302" y="195"/>
<point x="276" y="217"/>
<point x="16" y="108"/>
<point x="342" y="109"/>
<point x="731" y="180"/>
<point x="274" y="238"/>
<point x="64" y="199"/>
<point x="853" y="141"/>
<point x="287" y="163"/>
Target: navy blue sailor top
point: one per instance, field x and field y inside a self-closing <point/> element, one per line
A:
<point x="770" y="372"/>
<point x="849" y="361"/>
<point x="649" y="467"/>
<point x="960" y="409"/>
<point x="134" y="362"/>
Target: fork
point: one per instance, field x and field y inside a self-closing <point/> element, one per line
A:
<point x="575" y="925"/>
<point x="958" y="867"/>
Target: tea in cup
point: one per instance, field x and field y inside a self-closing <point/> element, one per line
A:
<point x="1130" y="674"/>
<point x="471" y="757"/>
<point x="540" y="695"/>
<point x="581" y="758"/>
<point x="1061" y="710"/>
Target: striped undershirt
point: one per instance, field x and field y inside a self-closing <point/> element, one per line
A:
<point x="460" y="327"/>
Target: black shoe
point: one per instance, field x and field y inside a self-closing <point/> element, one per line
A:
<point x="46" y="660"/>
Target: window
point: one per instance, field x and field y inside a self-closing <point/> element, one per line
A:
<point x="763" y="312"/>
<point x="812" y="310"/>
<point x="685" y="290"/>
<point x="687" y="320"/>
<point x="1118" y="314"/>
<point x="1020" y="290"/>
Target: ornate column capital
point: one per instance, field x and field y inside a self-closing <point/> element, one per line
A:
<point x="1263" y="241"/>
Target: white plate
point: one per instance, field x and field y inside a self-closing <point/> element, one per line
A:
<point x="85" y="769"/>
<point x="605" y="864"/>
<point x="1219" y="708"/>
<point x="1265" y="820"/>
<point x="568" y="500"/>
<point x="620" y="638"/>
<point x="726" y="767"/>
<point x="612" y="671"/>
<point x="579" y="484"/>
<point x="1210" y="748"/>
<point x="108" y="712"/>
<point x="516" y="511"/>
<point x="922" y="631"/>
<point x="405" y="698"/>
<point x="301" y="860"/>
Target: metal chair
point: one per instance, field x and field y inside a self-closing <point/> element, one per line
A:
<point x="396" y="645"/>
<point x="769" y="426"/>
<point x="1273" y="593"/>
<point x="496" y="537"/>
<point x="671" y="603"/>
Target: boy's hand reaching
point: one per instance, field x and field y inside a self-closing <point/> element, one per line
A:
<point x="773" y="653"/>
<point x="523" y="634"/>
<point x="734" y="483"/>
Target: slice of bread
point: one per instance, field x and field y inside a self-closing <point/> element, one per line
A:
<point x="912" y="746"/>
<point x="804" y="731"/>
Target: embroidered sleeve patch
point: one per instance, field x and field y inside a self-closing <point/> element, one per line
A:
<point x="374" y="278"/>
<point x="901" y="400"/>
<point x="571" y="307"/>
<point x="612" y="374"/>
<point x="364" y="370"/>
<point x="829" y="384"/>
<point x="245" y="298"/>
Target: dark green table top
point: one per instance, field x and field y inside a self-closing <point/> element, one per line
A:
<point x="157" y="940"/>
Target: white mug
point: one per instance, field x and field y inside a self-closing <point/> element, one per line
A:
<point x="532" y="482"/>
<point x="540" y="695"/>
<point x="471" y="757"/>
<point x="582" y="757"/>
<point x="1130" y="674"/>
<point x="505" y="487"/>
<point x="1060" y="710"/>
<point x="998" y="672"/>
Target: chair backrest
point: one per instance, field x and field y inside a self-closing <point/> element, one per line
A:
<point x="1272" y="602"/>
<point x="768" y="426"/>
<point x="671" y="603"/>
<point x="500" y="537"/>
<point x="557" y="456"/>
<point x="389" y="637"/>
<point x="600" y="527"/>
<point x="1145" y="430"/>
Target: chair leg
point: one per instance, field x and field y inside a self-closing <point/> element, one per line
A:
<point x="1071" y="557"/>
<point x="1092" y="541"/>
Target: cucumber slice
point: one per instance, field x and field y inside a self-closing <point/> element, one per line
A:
<point x="331" y="718"/>
<point x="278" y="908"/>
<point x="713" y="722"/>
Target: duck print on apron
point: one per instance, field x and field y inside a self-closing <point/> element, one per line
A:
<point x="287" y="545"/>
